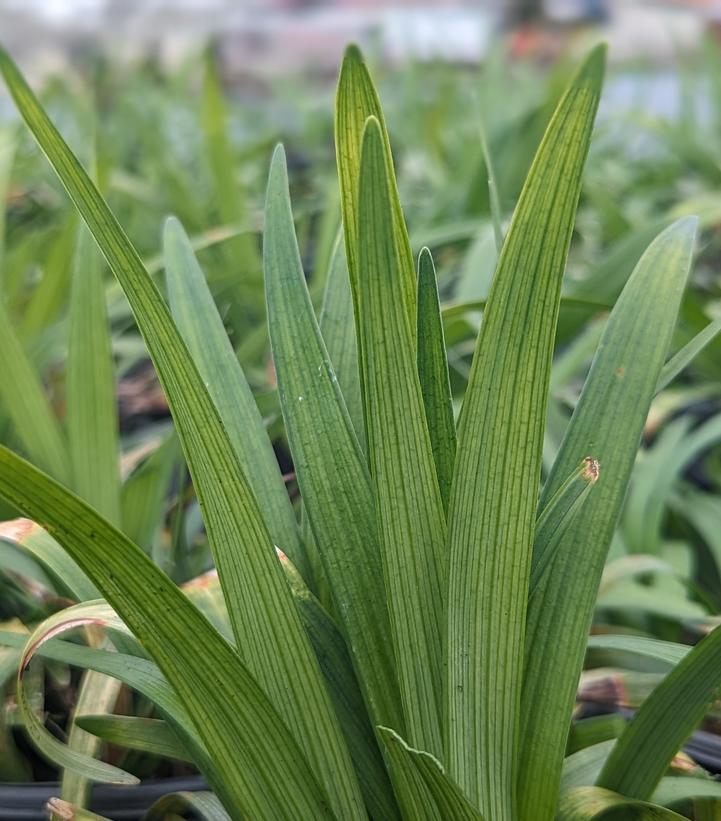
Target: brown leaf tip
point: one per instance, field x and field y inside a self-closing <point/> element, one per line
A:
<point x="60" y="809"/>
<point x="591" y="469"/>
<point x="16" y="530"/>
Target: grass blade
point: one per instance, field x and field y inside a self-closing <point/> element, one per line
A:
<point x="329" y="465"/>
<point x="664" y="721"/>
<point x="556" y="517"/>
<point x="609" y="418"/>
<point x="200" y="324"/>
<point x="683" y="358"/>
<point x="411" y="523"/>
<point x="150" y="735"/>
<point x="500" y="437"/>
<point x="433" y="374"/>
<point x="264" y="619"/>
<point x="337" y="327"/>
<point x="91" y="408"/>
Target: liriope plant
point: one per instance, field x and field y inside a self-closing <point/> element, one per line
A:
<point x="408" y="645"/>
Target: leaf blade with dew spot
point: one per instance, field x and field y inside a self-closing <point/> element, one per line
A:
<point x="557" y="516"/>
<point x="608" y="419"/>
<point x="493" y="500"/>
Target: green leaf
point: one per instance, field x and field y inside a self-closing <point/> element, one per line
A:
<point x="24" y="402"/>
<point x="337" y="327"/>
<point x="664" y="721"/>
<point x="424" y="790"/>
<point x="150" y="735"/>
<point x="594" y="804"/>
<point x="337" y="667"/>
<point x="76" y="758"/>
<point x="433" y="375"/>
<point x="620" y="651"/>
<point x="608" y="422"/>
<point x="356" y="100"/>
<point x="329" y="465"/>
<point x="202" y="805"/>
<point x="33" y="540"/>
<point x="500" y="438"/>
<point x="91" y="407"/>
<point x="557" y="516"/>
<point x="265" y="623"/>
<point x="145" y="493"/>
<point x="244" y="735"/>
<point x="411" y="523"/>
<point x="202" y="328"/>
<point x="683" y="358"/>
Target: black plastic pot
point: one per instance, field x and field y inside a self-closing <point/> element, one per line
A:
<point x="26" y="802"/>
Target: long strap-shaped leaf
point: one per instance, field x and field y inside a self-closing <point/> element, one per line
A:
<point x="244" y="735"/>
<point x="264" y="619"/>
<point x="91" y="407"/>
<point x="424" y="790"/>
<point x="94" y="452"/>
<point x="330" y="467"/>
<point x="198" y="320"/>
<point x="609" y="419"/>
<point x="664" y="721"/>
<point x="500" y="437"/>
<point x="433" y="373"/>
<point x="408" y="503"/>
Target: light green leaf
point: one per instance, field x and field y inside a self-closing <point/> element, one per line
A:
<point x="264" y="619"/>
<point x="433" y="375"/>
<point x="557" y="516"/>
<point x="424" y="790"/>
<point x="411" y="523"/>
<point x="356" y="100"/>
<point x="608" y="421"/>
<point x="337" y="327"/>
<point x="149" y="735"/>
<point x="202" y="328"/>
<point x="500" y="438"/>
<point x="203" y="805"/>
<point x="594" y="804"/>
<point x="684" y="357"/>
<point x="664" y="721"/>
<point x="91" y="407"/>
<point x="24" y="402"/>
<point x="329" y="465"/>
<point x="337" y="667"/>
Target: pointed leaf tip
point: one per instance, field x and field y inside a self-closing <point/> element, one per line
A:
<point x="353" y="54"/>
<point x="594" y="64"/>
